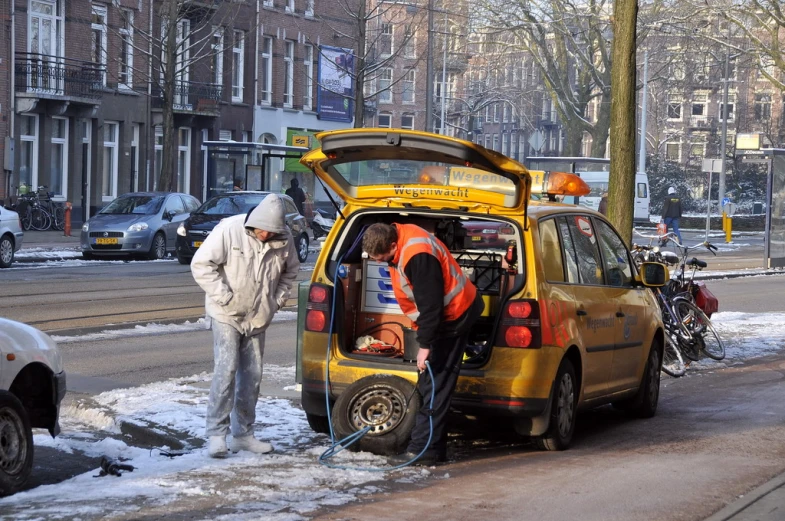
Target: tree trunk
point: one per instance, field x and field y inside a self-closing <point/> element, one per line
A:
<point x="622" y="176"/>
<point x="168" y="90"/>
<point x="359" y="77"/>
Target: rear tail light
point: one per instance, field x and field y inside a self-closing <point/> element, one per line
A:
<point x="506" y="230"/>
<point x="520" y="325"/>
<point x="318" y="308"/>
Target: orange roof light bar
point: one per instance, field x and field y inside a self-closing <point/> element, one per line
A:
<point x="562" y="183"/>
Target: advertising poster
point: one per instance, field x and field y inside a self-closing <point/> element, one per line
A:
<point x="335" y="90"/>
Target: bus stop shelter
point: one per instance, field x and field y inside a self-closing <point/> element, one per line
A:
<point x="254" y="166"/>
<point x="774" y="242"/>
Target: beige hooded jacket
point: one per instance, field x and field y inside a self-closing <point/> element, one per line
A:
<point x="246" y="280"/>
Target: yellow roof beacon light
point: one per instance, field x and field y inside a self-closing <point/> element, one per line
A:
<point x="561" y="183"/>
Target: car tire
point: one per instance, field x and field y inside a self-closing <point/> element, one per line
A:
<point x="564" y="410"/>
<point x="320" y="424"/>
<point x="6" y="251"/>
<point x="388" y="404"/>
<point x="16" y="444"/>
<point x="302" y="247"/>
<point x="644" y="403"/>
<point x="158" y="247"/>
<point x="184" y="260"/>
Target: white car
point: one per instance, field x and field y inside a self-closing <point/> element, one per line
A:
<point x="11" y="235"/>
<point x="32" y="385"/>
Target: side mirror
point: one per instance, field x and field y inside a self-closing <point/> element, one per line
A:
<point x="168" y="215"/>
<point x="653" y="274"/>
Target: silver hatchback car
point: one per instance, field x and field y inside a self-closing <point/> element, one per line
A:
<point x="142" y="224"/>
<point x="11" y="236"/>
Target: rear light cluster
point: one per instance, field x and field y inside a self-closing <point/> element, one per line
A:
<point x="520" y="325"/>
<point x="317" y="310"/>
<point x="506" y="230"/>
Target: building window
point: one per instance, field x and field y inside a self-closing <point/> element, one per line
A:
<point x="205" y="161"/>
<point x="217" y="64"/>
<point x="762" y="107"/>
<point x="487" y="114"/>
<point x="308" y="83"/>
<point x="58" y="179"/>
<point x="409" y="42"/>
<point x="267" y="70"/>
<point x="726" y="109"/>
<point x="110" y="159"/>
<point x="386" y="40"/>
<point x="385" y="81"/>
<point x="487" y="141"/>
<point x="673" y="152"/>
<point x="289" y="6"/>
<point x="238" y="45"/>
<point x="309" y="7"/>
<point x="184" y="160"/>
<point x="28" y="154"/>
<point x="268" y="3"/>
<point x="182" y="60"/>
<point x="697" y="150"/>
<point x="699" y="106"/>
<point x="495" y="114"/>
<point x="407" y="121"/>
<point x="385" y="120"/>
<point x="135" y="133"/>
<point x="674" y="107"/>
<point x="98" y="42"/>
<point x="126" y="77"/>
<point x="288" y="66"/>
<point x="506" y="113"/>
<point x="159" y="154"/>
<point x="496" y="142"/>
<point x="407" y="95"/>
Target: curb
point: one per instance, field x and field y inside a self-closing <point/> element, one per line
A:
<point x="730" y="511"/>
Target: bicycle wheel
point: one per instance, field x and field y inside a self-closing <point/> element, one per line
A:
<point x="672" y="361"/>
<point x="27" y="218"/>
<point x="704" y="337"/>
<point x="58" y="218"/>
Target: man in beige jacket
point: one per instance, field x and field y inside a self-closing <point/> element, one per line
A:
<point x="246" y="267"/>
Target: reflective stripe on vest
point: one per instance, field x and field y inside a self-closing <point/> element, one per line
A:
<point x="441" y="253"/>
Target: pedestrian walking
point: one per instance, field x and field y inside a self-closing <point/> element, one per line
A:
<point x="246" y="267"/>
<point x="432" y="290"/>
<point x="603" y="207"/>
<point x="671" y="213"/>
<point x="297" y="194"/>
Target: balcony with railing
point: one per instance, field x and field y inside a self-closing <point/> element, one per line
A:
<point x="192" y="97"/>
<point x="45" y="76"/>
<point x="703" y="123"/>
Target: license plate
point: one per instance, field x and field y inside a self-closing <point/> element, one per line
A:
<point x="197" y="244"/>
<point x="477" y="238"/>
<point x="111" y="240"/>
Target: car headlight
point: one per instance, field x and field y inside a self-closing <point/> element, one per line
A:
<point x="138" y="227"/>
<point x="85" y="227"/>
<point x="181" y="230"/>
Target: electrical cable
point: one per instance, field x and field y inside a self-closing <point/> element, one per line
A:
<point x="338" y="446"/>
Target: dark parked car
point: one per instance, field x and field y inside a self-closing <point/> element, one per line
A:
<point x="192" y="232"/>
<point x="138" y="224"/>
<point x="489" y="234"/>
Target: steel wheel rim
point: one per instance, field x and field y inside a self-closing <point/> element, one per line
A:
<point x="13" y="443"/>
<point x="303" y="247"/>
<point x="565" y="405"/>
<point x="6" y="251"/>
<point x="381" y="409"/>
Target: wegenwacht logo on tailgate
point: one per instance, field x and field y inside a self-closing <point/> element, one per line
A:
<point x="423" y="192"/>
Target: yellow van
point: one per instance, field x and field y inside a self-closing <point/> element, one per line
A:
<point x="568" y="321"/>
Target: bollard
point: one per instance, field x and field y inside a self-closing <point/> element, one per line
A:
<point x="728" y="227"/>
<point x="67" y="227"/>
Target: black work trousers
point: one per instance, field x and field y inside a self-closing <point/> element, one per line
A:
<point x="445" y="360"/>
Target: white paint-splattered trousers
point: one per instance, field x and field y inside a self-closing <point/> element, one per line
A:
<point x="236" y="378"/>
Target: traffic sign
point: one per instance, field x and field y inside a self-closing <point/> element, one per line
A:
<point x="725" y="201"/>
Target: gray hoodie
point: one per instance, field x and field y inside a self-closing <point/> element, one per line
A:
<point x="246" y="280"/>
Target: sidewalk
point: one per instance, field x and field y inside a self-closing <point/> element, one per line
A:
<point x="765" y="503"/>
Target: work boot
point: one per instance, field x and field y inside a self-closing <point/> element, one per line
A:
<point x="430" y="457"/>
<point x="216" y="447"/>
<point x="250" y="444"/>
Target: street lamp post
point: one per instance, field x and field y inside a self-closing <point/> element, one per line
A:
<point x="429" y="72"/>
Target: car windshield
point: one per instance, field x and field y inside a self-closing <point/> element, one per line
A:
<point x="416" y="172"/>
<point x="231" y="204"/>
<point x="135" y="204"/>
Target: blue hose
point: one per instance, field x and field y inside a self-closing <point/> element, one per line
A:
<point x="338" y="446"/>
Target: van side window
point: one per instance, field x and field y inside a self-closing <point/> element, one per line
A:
<point x="569" y="251"/>
<point x="587" y="252"/>
<point x="642" y="192"/>
<point x="551" y="251"/>
<point x="616" y="260"/>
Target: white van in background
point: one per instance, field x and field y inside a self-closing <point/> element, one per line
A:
<point x="598" y="182"/>
<point x="595" y="171"/>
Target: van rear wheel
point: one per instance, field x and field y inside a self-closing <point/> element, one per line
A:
<point x="563" y="410"/>
<point x="385" y="404"/>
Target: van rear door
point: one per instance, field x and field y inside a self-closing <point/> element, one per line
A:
<point x="641" y="198"/>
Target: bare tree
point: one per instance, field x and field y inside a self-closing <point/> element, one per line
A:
<point x="179" y="37"/>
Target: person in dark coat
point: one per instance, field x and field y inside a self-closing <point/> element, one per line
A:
<point x="298" y="195"/>
<point x="671" y="212"/>
<point x="603" y="208"/>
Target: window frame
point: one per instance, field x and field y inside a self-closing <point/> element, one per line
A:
<point x="238" y="65"/>
<point x="99" y="11"/>
<point x="61" y="142"/>
<point x="126" y="60"/>
<point x="217" y="62"/>
<point x="288" y="69"/>
<point x="408" y="86"/>
<point x="387" y="115"/>
<point x="385" y="93"/>
<point x="308" y="58"/>
<point x="109" y="179"/>
<point x="267" y="70"/>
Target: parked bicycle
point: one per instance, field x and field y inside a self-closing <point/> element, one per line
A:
<point x="39" y="212"/>
<point x="686" y="304"/>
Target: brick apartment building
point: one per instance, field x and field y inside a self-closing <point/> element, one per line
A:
<point x="81" y="106"/>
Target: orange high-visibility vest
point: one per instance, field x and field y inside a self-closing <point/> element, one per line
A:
<point x="459" y="292"/>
